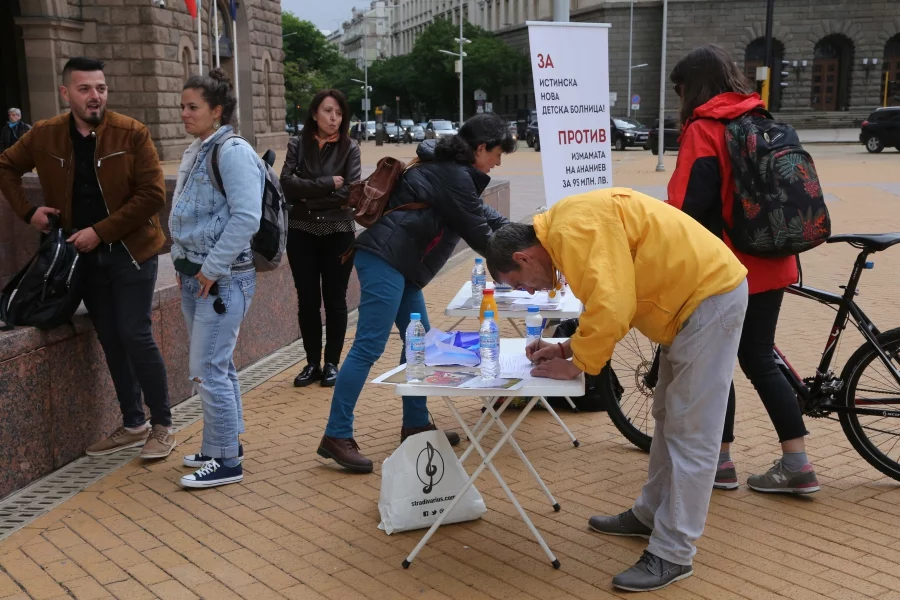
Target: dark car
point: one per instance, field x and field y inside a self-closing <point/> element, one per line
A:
<point x="672" y="133"/>
<point x="625" y="133"/>
<point x="881" y="129"/>
<point x="392" y="133"/>
<point x="533" y="136"/>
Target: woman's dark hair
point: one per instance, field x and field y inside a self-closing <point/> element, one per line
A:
<point x="217" y="91"/>
<point x="704" y="73"/>
<point x="310" y="127"/>
<point x="488" y="129"/>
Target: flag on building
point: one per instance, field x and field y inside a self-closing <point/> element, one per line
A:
<point x="192" y="7"/>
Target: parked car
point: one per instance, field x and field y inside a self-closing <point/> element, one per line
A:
<point x="417" y="132"/>
<point x="672" y="133"/>
<point x="533" y="136"/>
<point x="625" y="132"/>
<point x="404" y="123"/>
<point x="881" y="129"/>
<point x="438" y="128"/>
<point x="289" y="128"/>
<point x="392" y="132"/>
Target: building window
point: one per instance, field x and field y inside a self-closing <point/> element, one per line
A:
<point x="185" y="64"/>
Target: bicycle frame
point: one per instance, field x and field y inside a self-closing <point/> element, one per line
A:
<point x="847" y="309"/>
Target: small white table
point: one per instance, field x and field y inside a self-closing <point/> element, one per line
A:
<point x="537" y="389"/>
<point x="570" y="307"/>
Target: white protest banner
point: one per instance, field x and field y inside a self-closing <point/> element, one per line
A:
<point x="570" y="67"/>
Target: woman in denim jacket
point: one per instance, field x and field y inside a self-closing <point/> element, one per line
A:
<point x="211" y="253"/>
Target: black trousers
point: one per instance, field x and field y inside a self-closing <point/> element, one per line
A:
<point x="755" y="355"/>
<point x="119" y="298"/>
<point x="320" y="278"/>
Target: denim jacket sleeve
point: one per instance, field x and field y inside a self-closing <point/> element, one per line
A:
<point x="243" y="183"/>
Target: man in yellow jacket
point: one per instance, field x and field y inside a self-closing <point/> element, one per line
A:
<point x="637" y="262"/>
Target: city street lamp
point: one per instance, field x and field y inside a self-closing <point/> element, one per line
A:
<point x="460" y="55"/>
<point x="661" y="130"/>
<point x="367" y="88"/>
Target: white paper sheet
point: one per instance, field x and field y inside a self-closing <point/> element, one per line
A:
<point x="515" y="366"/>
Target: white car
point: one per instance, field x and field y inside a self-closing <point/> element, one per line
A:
<point x="438" y="128"/>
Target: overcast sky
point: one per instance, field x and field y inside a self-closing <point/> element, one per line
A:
<point x="325" y="14"/>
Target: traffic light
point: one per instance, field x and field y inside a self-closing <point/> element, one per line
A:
<point x="785" y="73"/>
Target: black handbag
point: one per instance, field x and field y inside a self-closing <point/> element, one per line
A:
<point x="47" y="292"/>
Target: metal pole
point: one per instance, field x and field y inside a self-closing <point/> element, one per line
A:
<point x="561" y="11"/>
<point x="199" y="37"/>
<point x="630" y="40"/>
<point x="461" y="42"/>
<point x="366" y="66"/>
<point x="661" y="130"/>
<point x="215" y="17"/>
<point x="237" y="69"/>
<point x="770" y="15"/>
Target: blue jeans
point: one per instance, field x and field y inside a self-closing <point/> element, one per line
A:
<point x="212" y="371"/>
<point x="386" y="299"/>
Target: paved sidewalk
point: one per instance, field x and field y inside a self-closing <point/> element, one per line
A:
<point x="299" y="528"/>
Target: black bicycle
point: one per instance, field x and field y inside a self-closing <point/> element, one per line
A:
<point x="865" y="397"/>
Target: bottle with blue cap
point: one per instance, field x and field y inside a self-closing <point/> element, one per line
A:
<point x="415" y="349"/>
<point x="533" y="325"/>
<point x="489" y="337"/>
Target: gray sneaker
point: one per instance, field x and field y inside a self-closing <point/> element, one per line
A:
<point x="781" y="480"/>
<point x="651" y="573"/>
<point x="625" y="524"/>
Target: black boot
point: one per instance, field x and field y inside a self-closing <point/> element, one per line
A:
<point x="309" y="375"/>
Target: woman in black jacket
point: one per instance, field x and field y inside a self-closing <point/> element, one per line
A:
<point x="320" y="166"/>
<point x="401" y="253"/>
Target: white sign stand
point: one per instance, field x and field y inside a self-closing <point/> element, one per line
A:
<point x="570" y="68"/>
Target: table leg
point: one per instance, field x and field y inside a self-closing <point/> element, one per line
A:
<point x="553" y="414"/>
<point x="481" y="433"/>
<point x="515" y="326"/>
<point x="488" y="403"/>
<point x="487" y="462"/>
<point x="455" y="325"/>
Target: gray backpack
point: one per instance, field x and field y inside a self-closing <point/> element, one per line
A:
<point x="269" y="243"/>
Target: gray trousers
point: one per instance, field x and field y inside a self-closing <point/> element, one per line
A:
<point x="689" y="406"/>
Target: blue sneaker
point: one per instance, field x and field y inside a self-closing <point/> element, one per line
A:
<point x="196" y="461"/>
<point x="213" y="474"/>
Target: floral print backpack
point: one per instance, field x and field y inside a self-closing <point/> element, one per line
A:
<point x="779" y="209"/>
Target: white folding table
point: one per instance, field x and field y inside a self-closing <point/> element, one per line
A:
<point x="537" y="389"/>
<point x="570" y="307"/>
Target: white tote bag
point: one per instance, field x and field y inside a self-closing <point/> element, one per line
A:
<point x="418" y="483"/>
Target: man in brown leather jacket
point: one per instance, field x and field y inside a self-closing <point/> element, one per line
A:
<point x="101" y="178"/>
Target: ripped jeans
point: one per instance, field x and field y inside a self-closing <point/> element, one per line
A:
<point x="212" y="371"/>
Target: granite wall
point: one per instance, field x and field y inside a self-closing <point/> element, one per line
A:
<point x="56" y="397"/>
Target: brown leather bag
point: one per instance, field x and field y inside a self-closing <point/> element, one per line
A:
<point x="369" y="197"/>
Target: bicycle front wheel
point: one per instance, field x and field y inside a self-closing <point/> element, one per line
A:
<point x="629" y="390"/>
<point x="869" y="384"/>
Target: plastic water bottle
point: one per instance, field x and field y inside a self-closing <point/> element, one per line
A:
<point x="533" y="325"/>
<point x="415" y="349"/>
<point x="489" y="336"/>
<point x="479" y="281"/>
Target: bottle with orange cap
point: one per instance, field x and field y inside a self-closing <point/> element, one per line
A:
<point x="488" y="302"/>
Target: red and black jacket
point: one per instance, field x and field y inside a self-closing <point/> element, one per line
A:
<point x="703" y="184"/>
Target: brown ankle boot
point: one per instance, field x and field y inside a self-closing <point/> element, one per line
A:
<point x="405" y="432"/>
<point x="345" y="452"/>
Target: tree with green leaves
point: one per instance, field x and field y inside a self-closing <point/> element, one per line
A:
<point x="312" y="64"/>
<point x="425" y="79"/>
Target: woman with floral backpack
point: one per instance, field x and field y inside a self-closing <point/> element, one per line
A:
<point x="713" y="91"/>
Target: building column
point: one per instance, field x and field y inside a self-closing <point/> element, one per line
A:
<point x="46" y="42"/>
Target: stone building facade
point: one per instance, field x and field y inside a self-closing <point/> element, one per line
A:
<point x="149" y="52"/>
<point x="839" y="53"/>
